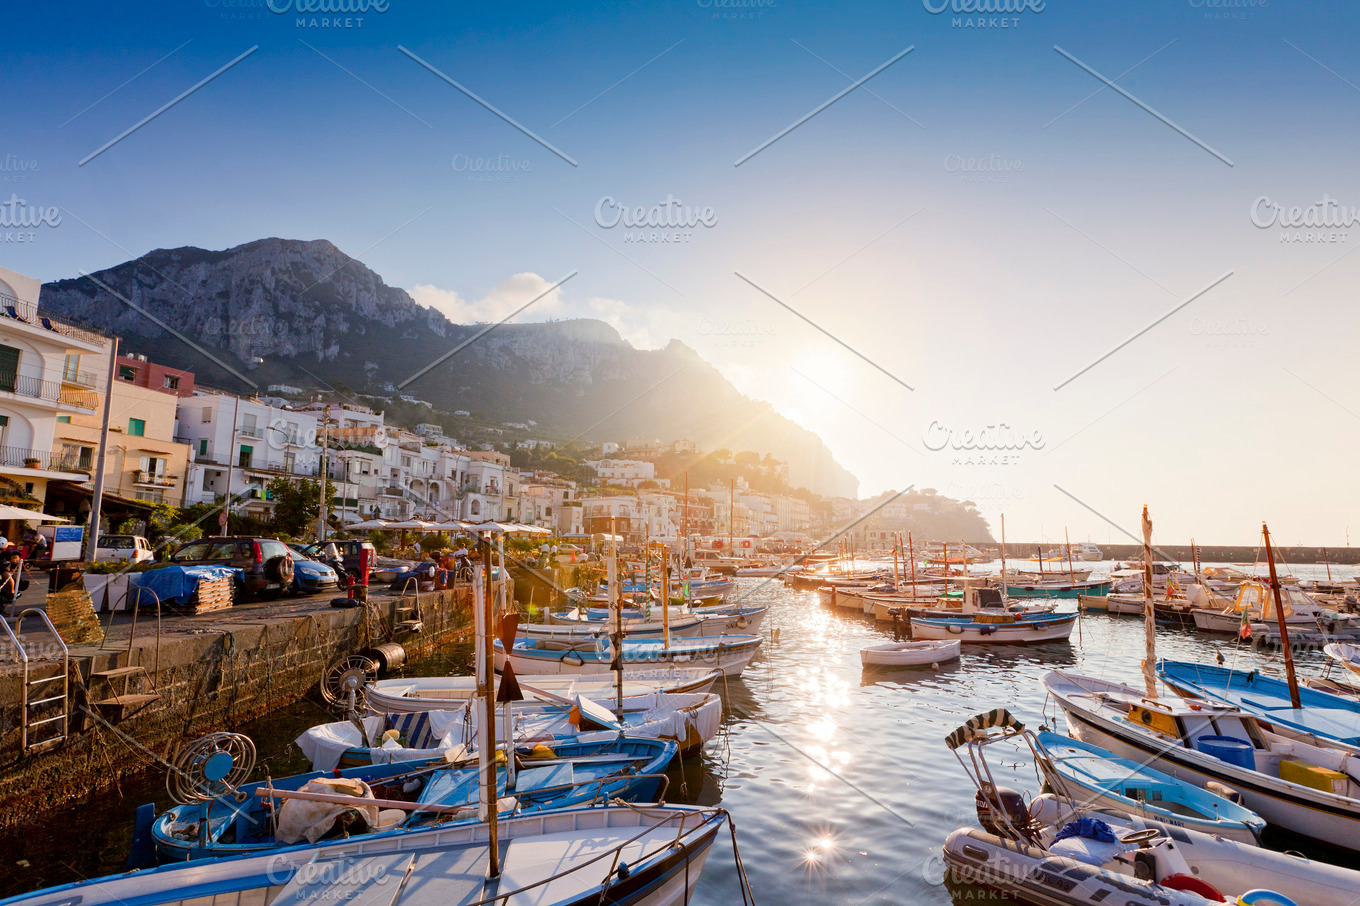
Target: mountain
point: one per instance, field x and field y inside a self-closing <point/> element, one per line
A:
<point x="319" y="318"/>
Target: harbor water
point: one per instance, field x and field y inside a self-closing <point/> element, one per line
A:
<point x="837" y="778"/>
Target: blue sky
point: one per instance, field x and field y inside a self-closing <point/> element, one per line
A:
<point x="1084" y="218"/>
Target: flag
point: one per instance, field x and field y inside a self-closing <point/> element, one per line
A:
<point x="1244" y="631"/>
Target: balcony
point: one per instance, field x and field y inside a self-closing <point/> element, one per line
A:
<point x="254" y="433"/>
<point x="48" y="391"/>
<point x="27" y="313"/>
<point x="24" y="458"/>
<point x="395" y="492"/>
<point x="80" y="378"/>
<point x="151" y="479"/>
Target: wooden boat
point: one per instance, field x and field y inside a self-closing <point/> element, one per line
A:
<point x="727" y="653"/>
<point x="1057" y="589"/>
<point x="1103" y="781"/>
<point x="1255" y="601"/>
<point x="564" y="857"/>
<point x="1005" y="630"/>
<point x="1345" y="654"/>
<point x="1094" y="602"/>
<point x="1323" y="716"/>
<point x="687" y="719"/>
<point x="1031" y="847"/>
<point x="433" y="693"/>
<point x="572" y="626"/>
<point x="908" y="654"/>
<point x="572" y="774"/>
<point x="1311" y="790"/>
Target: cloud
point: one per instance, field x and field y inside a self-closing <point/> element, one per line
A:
<point x="506" y="297"/>
<point x="644" y="327"/>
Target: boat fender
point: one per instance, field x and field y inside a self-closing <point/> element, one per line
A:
<point x="741" y="622"/>
<point x="572" y="660"/>
<point x="1264" y="898"/>
<point x="956" y="629"/>
<point x="1223" y="791"/>
<point x="1192" y="884"/>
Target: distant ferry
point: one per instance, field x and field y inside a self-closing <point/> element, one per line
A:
<point x="1087" y="550"/>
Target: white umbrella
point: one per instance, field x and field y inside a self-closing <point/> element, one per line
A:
<point x="371" y="524"/>
<point x="451" y="526"/>
<point x="418" y="525"/>
<point x="18" y="512"/>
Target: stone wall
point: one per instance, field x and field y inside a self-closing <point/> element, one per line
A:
<point x="214" y="678"/>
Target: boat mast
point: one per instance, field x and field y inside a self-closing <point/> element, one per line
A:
<point x="911" y="552"/>
<point x="1003" y="559"/>
<point x="731" y="515"/>
<point x="617" y="613"/>
<point x="1327" y="563"/>
<point x="486" y="671"/>
<point x="666" y="597"/>
<point x="1149" y="615"/>
<point x="1071" y="570"/>
<point x="896" y="581"/>
<point x="1279" y="618"/>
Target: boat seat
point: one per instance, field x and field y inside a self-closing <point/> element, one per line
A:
<point x="1090" y="852"/>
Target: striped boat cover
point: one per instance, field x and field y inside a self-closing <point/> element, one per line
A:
<point x="997" y="717"/>
<point x="414" y="726"/>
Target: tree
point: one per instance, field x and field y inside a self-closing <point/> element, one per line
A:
<point x="297" y="504"/>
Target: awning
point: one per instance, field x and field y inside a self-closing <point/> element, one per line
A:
<point x="18" y="512"/>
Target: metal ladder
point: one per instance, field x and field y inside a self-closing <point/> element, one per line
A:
<point x="28" y="706"/>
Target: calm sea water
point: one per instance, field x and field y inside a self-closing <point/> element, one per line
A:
<point x="838" y="779"/>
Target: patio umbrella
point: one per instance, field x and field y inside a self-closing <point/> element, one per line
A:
<point x="369" y="525"/>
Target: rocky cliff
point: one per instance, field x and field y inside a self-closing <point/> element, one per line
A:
<point x="304" y="313"/>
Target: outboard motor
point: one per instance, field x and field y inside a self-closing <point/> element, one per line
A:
<point x="1003" y="812"/>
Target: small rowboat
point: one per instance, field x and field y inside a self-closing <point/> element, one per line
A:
<point x="908" y="654"/>
<point x="1101" y="780"/>
<point x="1049" y="627"/>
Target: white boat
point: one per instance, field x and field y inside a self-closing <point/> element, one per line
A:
<point x="1345" y="654"/>
<point x="689" y="719"/>
<point x="432" y="693"/>
<point x="1312" y="790"/>
<point x="1094" y="602"/>
<point x="1088" y="551"/>
<point x="908" y="654"/>
<point x="577" y="623"/>
<point x="1029" y="847"/>
<point x="728" y="654"/>
<point x="571" y="857"/>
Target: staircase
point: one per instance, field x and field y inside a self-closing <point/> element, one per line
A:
<point x="37" y="697"/>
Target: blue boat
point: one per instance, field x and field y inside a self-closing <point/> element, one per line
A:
<point x="570" y="857"/>
<point x="1001" y="629"/>
<point x="1323" y="715"/>
<point x="535" y="657"/>
<point x="1097" y="778"/>
<point x="1061" y="589"/>
<point x="570" y="774"/>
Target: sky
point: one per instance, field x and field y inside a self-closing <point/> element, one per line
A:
<point x="1045" y="259"/>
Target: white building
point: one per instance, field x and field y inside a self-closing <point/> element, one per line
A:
<point x="41" y="382"/>
<point x="624" y="472"/>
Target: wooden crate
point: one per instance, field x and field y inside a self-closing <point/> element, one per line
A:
<point x="212" y="595"/>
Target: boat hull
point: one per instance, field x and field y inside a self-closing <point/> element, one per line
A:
<point x="909" y="654"/>
<point x="1020" y="633"/>
<point x="1057" y="590"/>
<point x="730" y="657"/>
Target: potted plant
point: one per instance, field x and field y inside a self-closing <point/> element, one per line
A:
<point x="32" y="462"/>
<point x="107" y="582"/>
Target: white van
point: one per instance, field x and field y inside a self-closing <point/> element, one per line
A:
<point x="123" y="547"/>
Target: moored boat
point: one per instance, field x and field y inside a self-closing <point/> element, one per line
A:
<point x="909" y="654"/>
<point x="432" y="693"/>
<point x="726" y="653"/>
<point x="1000" y="630"/>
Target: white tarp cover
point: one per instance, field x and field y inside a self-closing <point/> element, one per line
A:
<point x="324" y="744"/>
<point x="301" y="819"/>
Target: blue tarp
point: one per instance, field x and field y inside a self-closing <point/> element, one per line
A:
<point x="176" y="584"/>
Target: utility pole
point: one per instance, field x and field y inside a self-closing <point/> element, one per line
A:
<point x="97" y="500"/>
<point x="321" y="511"/>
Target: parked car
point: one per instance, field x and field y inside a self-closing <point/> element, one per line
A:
<point x="349" y="552"/>
<point x="310" y="576"/>
<point x="124" y="547"/>
<point x="266" y="565"/>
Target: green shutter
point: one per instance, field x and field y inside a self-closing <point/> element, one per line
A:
<point x="137" y="427"/>
<point x="9" y="367"/>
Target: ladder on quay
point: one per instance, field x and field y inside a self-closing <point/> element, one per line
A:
<point x="30" y="707"/>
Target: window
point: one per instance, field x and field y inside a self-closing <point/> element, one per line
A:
<point x="207" y="415"/>
<point x="476" y="508"/>
<point x="137" y="427"/>
<point x="289" y="461"/>
<point x="86" y="461"/>
<point x="246" y="454"/>
<point x="9" y="367"/>
<point x="64" y="419"/>
<point x="549" y="511"/>
<point x="127" y="373"/>
<point x="248" y="427"/>
<point x="203" y="447"/>
<point x="70" y="369"/>
<point x="171" y="382"/>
